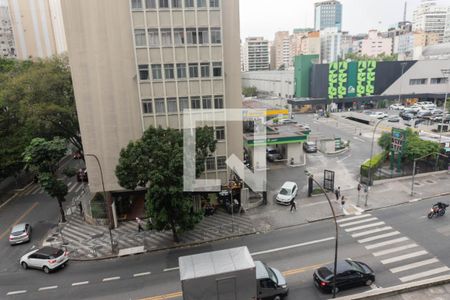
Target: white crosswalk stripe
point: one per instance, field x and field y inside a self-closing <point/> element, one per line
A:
<point x="378" y="237"/>
<point x="358" y="222"/>
<point x="403" y="257"/>
<point x="364" y="226"/>
<point x="396" y="249"/>
<point x="72" y="188"/>
<point x="353" y="218"/>
<point x="424" y="274"/>
<point x="368" y="232"/>
<point x="414" y="265"/>
<point x="390" y="242"/>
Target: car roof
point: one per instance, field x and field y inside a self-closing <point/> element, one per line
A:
<point x="18" y="227"/>
<point x="310" y="143"/>
<point x="288" y="185"/>
<point x="342" y="266"/>
<point x="48" y="251"/>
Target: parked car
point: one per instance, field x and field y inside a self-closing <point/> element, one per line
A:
<point x="82" y="175"/>
<point x="437" y="112"/>
<point x="440" y="118"/>
<point x="20" y="233"/>
<point x="287" y="192"/>
<point x="424" y="113"/>
<point x="349" y="274"/>
<point x="273" y="154"/>
<point x="287" y="122"/>
<point x="310" y="147"/>
<point x="414" y="109"/>
<point x="46" y="259"/>
<point x="394" y="119"/>
<point x="396" y="107"/>
<point x="427" y="105"/>
<point x="406" y="116"/>
<point x="379" y="115"/>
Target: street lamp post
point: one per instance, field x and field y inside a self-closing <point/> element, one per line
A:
<point x="336" y="228"/>
<point x="104" y="195"/>
<point x="445" y="72"/>
<point x="370" y="158"/>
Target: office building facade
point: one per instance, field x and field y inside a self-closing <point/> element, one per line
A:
<point x="327" y="14"/>
<point x="255" y="54"/>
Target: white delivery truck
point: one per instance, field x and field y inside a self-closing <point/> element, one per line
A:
<point x="229" y="274"/>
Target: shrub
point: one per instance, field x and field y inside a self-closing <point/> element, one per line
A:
<point x="373" y="163"/>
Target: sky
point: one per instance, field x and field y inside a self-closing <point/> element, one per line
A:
<point x="265" y="17"/>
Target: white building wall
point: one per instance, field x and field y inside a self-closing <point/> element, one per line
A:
<point x="273" y="83"/>
<point x="375" y="45"/>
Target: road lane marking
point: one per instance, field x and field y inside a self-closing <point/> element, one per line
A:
<point x="378" y="237"/>
<point x="414" y="265"/>
<point x="403" y="257"/>
<point x="80" y="283"/>
<point x="424" y="274"/>
<point x="48" y="288"/>
<point x="354" y="218"/>
<point x="358" y="222"/>
<point x="393" y="250"/>
<point x="142" y="274"/>
<point x="293" y="246"/>
<point x="390" y="242"/>
<point x="16" y="292"/>
<point x="371" y="231"/>
<point x="111" y="278"/>
<point x="18" y="220"/>
<point x="364" y="226"/>
<point x="171" y="269"/>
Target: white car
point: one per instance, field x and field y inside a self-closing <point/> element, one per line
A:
<point x="46" y="259"/>
<point x="379" y="115"/>
<point x="396" y="107"/>
<point x="287" y="192"/>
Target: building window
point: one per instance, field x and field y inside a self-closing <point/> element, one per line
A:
<point x="150" y="4"/>
<point x="188" y="3"/>
<point x="216" y="36"/>
<point x="163" y="3"/>
<point x="136" y="4"/>
<point x="195" y="103"/>
<point x="201" y="3"/>
<point x="217" y="69"/>
<point x="166" y="37"/>
<point x="159" y="106"/>
<point x="176" y="4"/>
<point x="203" y="36"/>
<point x="147" y="106"/>
<point x="156" y="72"/>
<point x="214" y="3"/>
<point x="204" y="69"/>
<point x="169" y="71"/>
<point x="218" y="102"/>
<point x="207" y="102"/>
<point x="191" y="36"/>
<point x="439" y="80"/>
<point x="153" y="38"/>
<point x="220" y="133"/>
<point x="193" y="70"/>
<point x="221" y="162"/>
<point x="420" y="81"/>
<point x="181" y="71"/>
<point x="143" y="72"/>
<point x="172" y="105"/>
<point x="210" y="163"/>
<point x="178" y="35"/>
<point x="184" y="103"/>
<point x="139" y="37"/>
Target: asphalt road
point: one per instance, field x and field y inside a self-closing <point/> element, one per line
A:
<point x="296" y="251"/>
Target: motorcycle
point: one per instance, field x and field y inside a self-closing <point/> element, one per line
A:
<point x="437" y="211"/>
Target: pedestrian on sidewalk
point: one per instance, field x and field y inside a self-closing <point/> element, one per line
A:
<point x="80" y="206"/>
<point x="342" y="202"/>
<point x="337" y="192"/>
<point x="139" y="222"/>
<point x="293" y="206"/>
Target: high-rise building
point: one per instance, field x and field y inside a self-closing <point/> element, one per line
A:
<point x="282" y="50"/>
<point x="429" y="17"/>
<point x="137" y="64"/>
<point x="305" y="43"/>
<point x="330" y="44"/>
<point x="38" y="28"/>
<point x="255" y="54"/>
<point x="328" y="14"/>
<point x="375" y="45"/>
<point x="7" y="47"/>
<point x="447" y="27"/>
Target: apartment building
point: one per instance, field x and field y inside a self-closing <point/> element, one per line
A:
<point x="140" y="63"/>
<point x="375" y="45"/>
<point x="430" y="17"/>
<point x="255" y="54"/>
<point x="7" y="47"/>
<point x="330" y="45"/>
<point x="282" y="50"/>
<point x="327" y="14"/>
<point x="38" y="28"/>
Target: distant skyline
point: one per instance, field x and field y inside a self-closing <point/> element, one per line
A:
<point x="265" y="17"/>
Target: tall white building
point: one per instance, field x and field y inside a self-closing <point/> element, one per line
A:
<point x="7" y="47"/>
<point x="330" y="44"/>
<point x="282" y="50"/>
<point x="429" y="17"/>
<point x="447" y="27"/>
<point x="375" y="45"/>
<point x="255" y="54"/>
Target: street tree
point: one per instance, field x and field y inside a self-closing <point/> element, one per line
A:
<point x="43" y="157"/>
<point x="155" y="162"/>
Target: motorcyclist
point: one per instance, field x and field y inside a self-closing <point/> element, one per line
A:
<point x="440" y="206"/>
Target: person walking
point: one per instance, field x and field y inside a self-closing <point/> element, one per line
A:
<point x="293" y="206"/>
<point x="342" y="202"/>
<point x="80" y="206"/>
<point x="337" y="192"/>
<point x="139" y="223"/>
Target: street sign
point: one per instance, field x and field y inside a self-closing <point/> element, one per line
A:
<point x="328" y="180"/>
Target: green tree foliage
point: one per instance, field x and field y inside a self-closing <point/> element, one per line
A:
<point x="249" y="91"/>
<point x="385" y="140"/>
<point x="156" y="163"/>
<point x="380" y="57"/>
<point x="43" y="156"/>
<point x="36" y="100"/>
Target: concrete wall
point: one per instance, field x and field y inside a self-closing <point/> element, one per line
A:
<point x="273" y="83"/>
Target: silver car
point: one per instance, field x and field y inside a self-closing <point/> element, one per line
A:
<point x="46" y="259"/>
<point x="20" y="233"/>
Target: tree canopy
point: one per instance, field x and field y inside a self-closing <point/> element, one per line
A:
<point x="155" y="162"/>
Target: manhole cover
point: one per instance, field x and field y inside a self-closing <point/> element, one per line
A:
<point x="50" y="240"/>
<point x="416" y="183"/>
<point x="430" y="181"/>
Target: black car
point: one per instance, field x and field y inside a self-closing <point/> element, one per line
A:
<point x="406" y="116"/>
<point x="310" y="147"/>
<point x="350" y="273"/>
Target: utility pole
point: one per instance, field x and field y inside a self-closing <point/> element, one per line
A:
<point x="446" y="73"/>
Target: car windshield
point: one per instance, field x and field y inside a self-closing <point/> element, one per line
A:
<point x="284" y="191"/>
<point x="272" y="151"/>
<point x="16" y="233"/>
<point x="272" y="275"/>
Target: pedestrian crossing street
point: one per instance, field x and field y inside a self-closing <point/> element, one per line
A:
<point x="35" y="189"/>
<point x="401" y="255"/>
